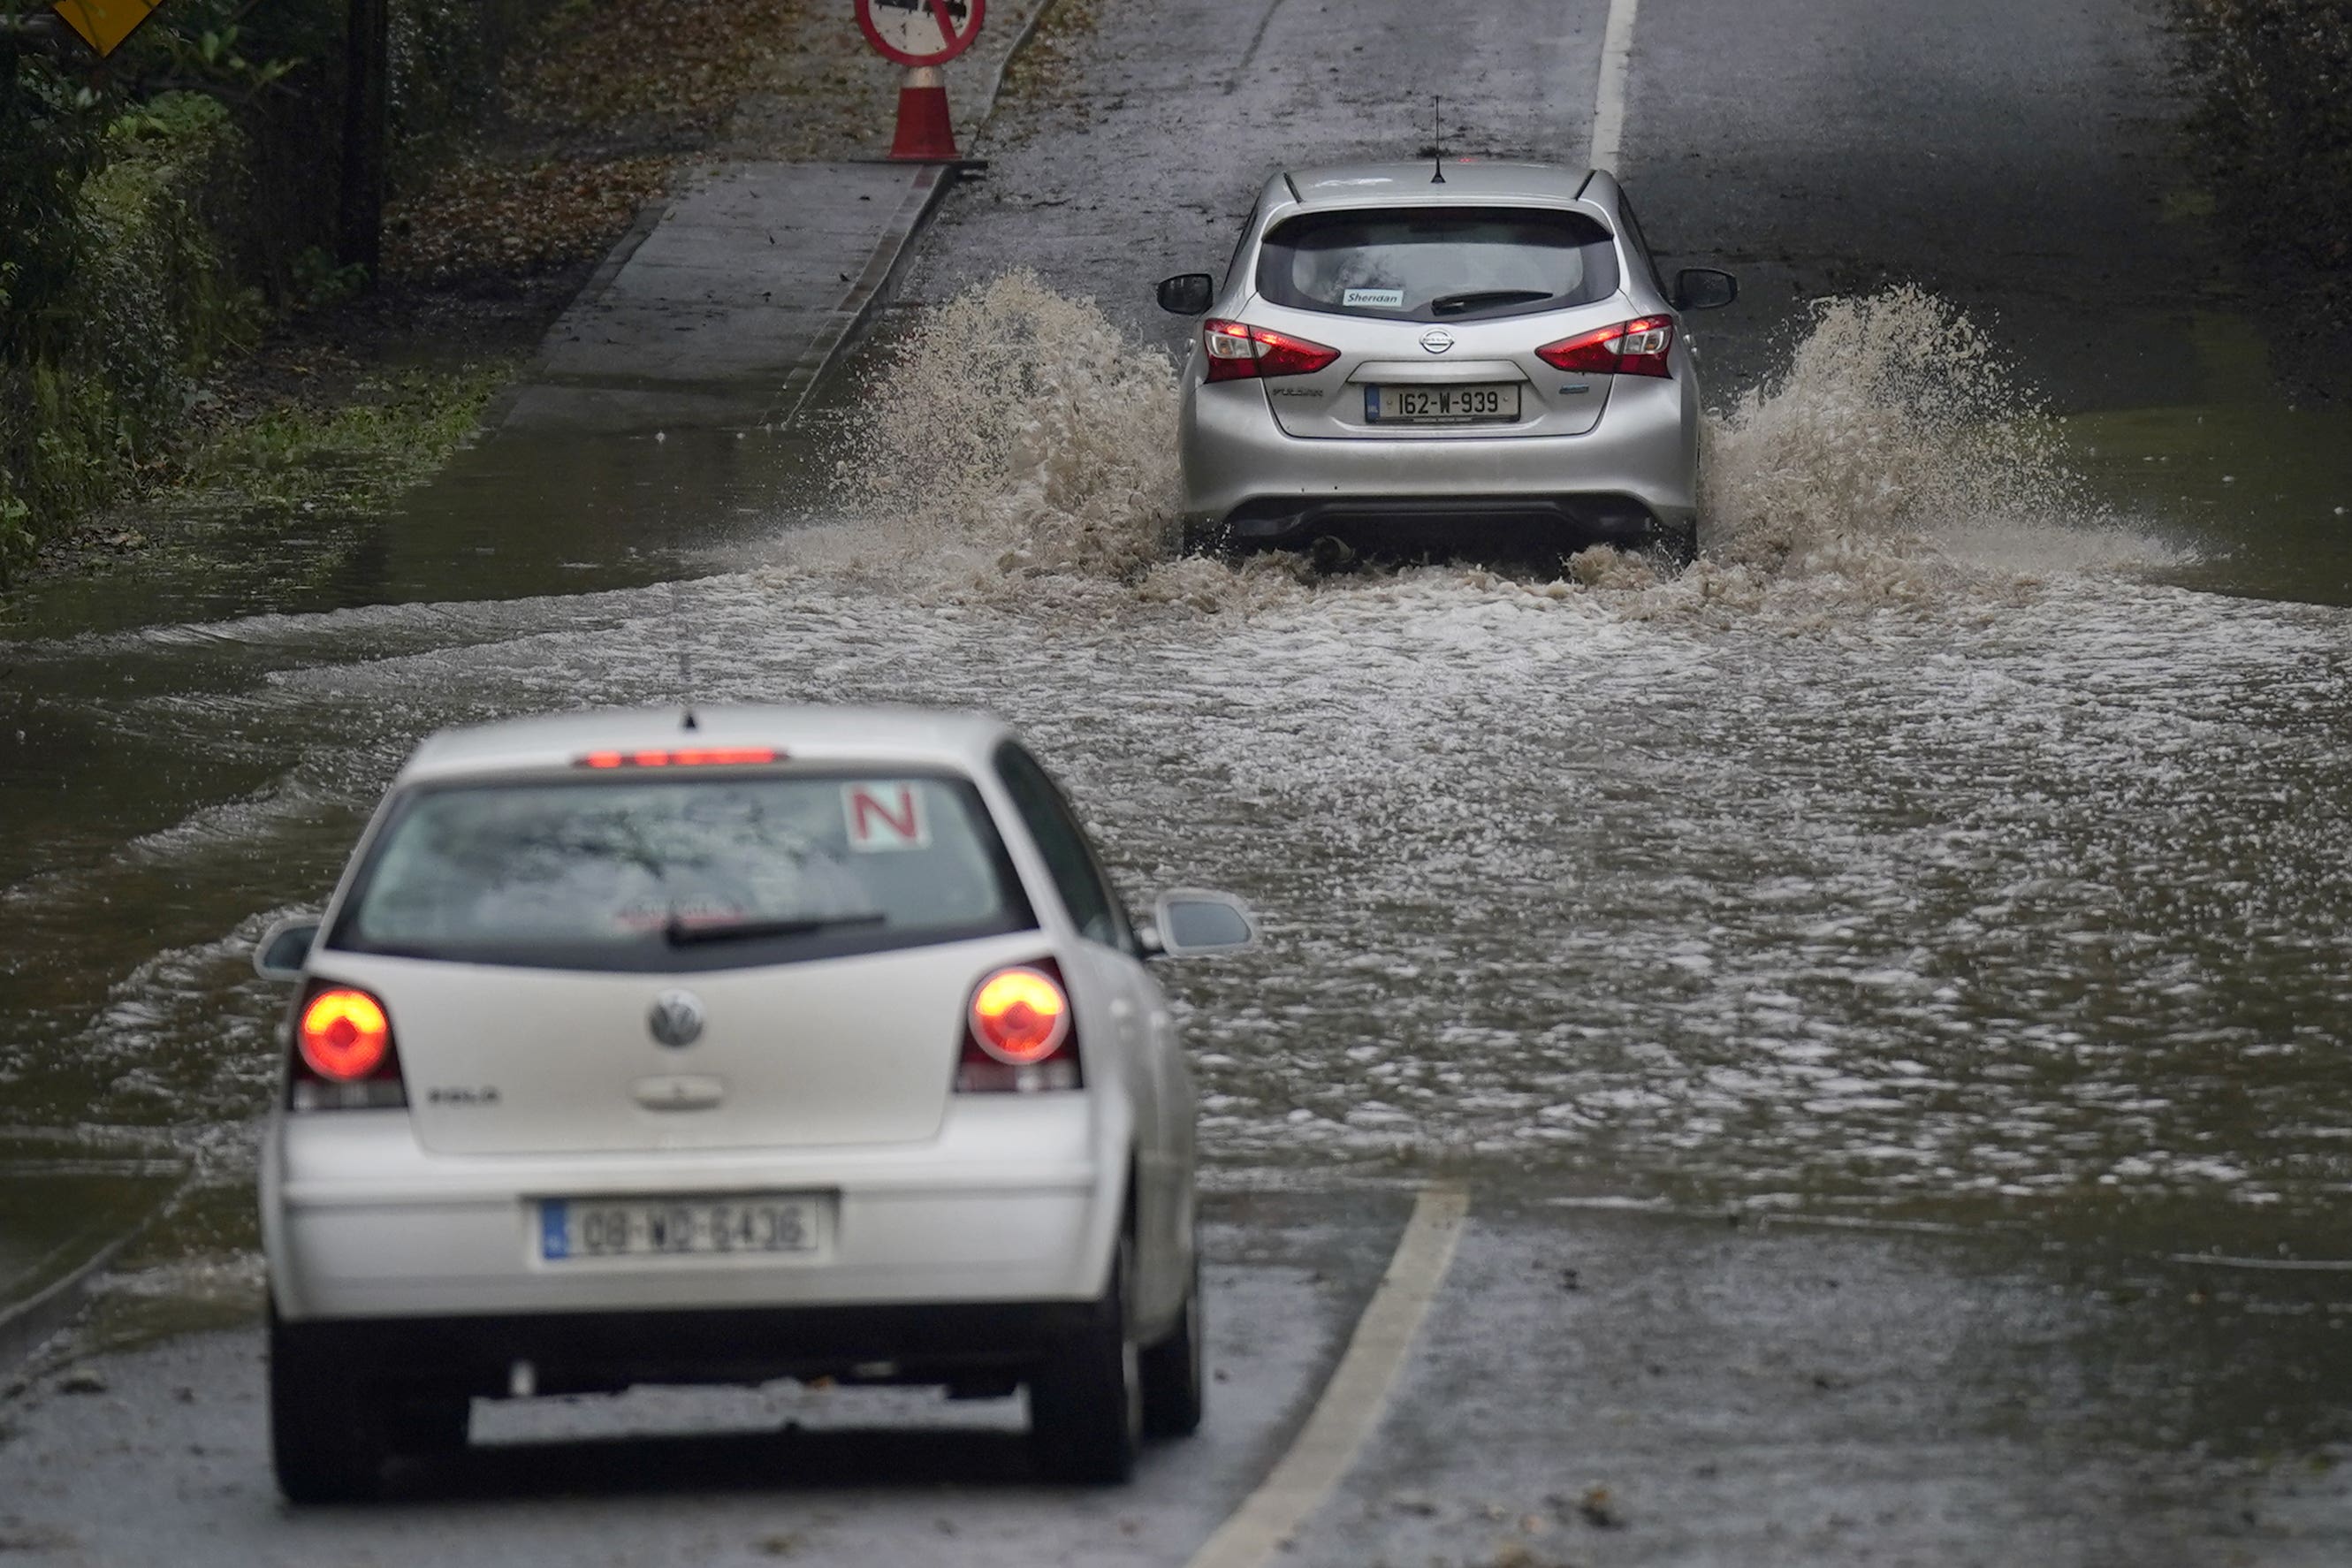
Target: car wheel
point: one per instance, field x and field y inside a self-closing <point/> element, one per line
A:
<point x="1086" y="1398"/>
<point x="327" y="1442"/>
<point x="1172" y="1371"/>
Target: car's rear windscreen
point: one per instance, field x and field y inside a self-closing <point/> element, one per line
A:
<point x="682" y="872"/>
<point x="1437" y="264"/>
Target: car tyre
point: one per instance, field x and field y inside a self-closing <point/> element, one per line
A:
<point x="1086" y="1398"/>
<point x="327" y="1441"/>
<point x="1172" y="1369"/>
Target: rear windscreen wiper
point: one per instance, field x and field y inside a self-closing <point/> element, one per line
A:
<point x="1455" y="304"/>
<point x="677" y="933"/>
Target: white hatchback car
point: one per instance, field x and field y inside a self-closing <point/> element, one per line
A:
<point x="725" y="1047"/>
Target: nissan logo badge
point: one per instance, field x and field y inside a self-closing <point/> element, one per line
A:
<point x="1437" y="340"/>
<point x="676" y="1018"/>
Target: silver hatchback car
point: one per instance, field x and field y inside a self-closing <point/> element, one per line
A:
<point x="1435" y="353"/>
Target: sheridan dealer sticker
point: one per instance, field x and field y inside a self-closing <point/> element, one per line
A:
<point x="1373" y="299"/>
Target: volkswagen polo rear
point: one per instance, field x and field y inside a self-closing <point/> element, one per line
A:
<point x="656" y="1055"/>
<point x="1424" y="362"/>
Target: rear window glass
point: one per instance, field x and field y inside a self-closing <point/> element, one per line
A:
<point x="683" y="873"/>
<point x="1437" y="264"/>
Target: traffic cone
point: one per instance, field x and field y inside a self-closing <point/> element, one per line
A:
<point x="925" y="133"/>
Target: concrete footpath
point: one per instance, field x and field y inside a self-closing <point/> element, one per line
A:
<point x="727" y="303"/>
<point x="726" y="306"/>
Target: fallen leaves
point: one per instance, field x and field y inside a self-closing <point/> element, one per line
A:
<point x="494" y="217"/>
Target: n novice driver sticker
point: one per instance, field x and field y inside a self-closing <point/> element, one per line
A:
<point x="885" y="817"/>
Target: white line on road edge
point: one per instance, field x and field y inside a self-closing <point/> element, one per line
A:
<point x="1609" y="104"/>
<point x="1353" y="1399"/>
<point x="2279" y="1265"/>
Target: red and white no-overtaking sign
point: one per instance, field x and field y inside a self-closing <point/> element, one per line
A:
<point x="922" y="35"/>
<point x="920" y="32"/>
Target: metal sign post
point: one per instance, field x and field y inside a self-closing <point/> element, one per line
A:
<point x="922" y="35"/>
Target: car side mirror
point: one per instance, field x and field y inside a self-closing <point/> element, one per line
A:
<point x="1704" y="288"/>
<point x="1188" y="294"/>
<point x="1191" y="923"/>
<point x="281" y="953"/>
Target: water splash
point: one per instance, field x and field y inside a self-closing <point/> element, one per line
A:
<point x="1019" y="433"/>
<point x="1900" y="448"/>
<point x="1898" y="459"/>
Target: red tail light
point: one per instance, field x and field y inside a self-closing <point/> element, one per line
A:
<point x="1630" y="348"/>
<point x="1237" y="352"/>
<point x="1018" y="1033"/>
<point x="343" y="1056"/>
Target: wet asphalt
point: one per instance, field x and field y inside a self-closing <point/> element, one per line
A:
<point x="1595" y="1384"/>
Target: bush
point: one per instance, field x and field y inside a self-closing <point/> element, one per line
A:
<point x="139" y="198"/>
<point x="98" y="380"/>
<point x="2273" y="80"/>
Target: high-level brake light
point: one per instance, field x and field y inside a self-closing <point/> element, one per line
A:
<point x="1238" y="352"/>
<point x="684" y="757"/>
<point x="1018" y="1035"/>
<point x="1630" y="348"/>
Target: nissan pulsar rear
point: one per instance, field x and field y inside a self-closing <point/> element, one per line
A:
<point x="766" y="1042"/>
<point x="1441" y="355"/>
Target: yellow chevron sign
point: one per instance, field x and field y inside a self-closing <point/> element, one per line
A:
<point x="104" y="23"/>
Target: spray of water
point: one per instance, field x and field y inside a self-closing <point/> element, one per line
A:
<point x="1018" y="433"/>
<point x="1900" y="444"/>
<point x="1018" y="440"/>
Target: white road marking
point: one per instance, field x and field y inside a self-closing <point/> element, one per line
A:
<point x="1609" y="103"/>
<point x="1357" y="1392"/>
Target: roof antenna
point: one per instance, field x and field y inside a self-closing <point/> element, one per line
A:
<point x="685" y="657"/>
<point x="1437" y="138"/>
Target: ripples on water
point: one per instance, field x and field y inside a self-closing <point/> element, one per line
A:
<point x="1916" y="849"/>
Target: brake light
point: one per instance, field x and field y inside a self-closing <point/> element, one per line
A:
<point x="1237" y="352"/>
<point x="1018" y="1035"/>
<point x="343" y="1056"/>
<point x="1630" y="348"/>
<point x="689" y="757"/>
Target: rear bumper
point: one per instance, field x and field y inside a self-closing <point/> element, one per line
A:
<point x="1632" y="479"/>
<point x="974" y="1343"/>
<point x="1011" y="1202"/>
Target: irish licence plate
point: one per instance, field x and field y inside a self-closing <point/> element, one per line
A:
<point x="762" y="1224"/>
<point x="1484" y="402"/>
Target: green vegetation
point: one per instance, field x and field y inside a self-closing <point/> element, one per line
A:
<point x="2273" y="80"/>
<point x="398" y="431"/>
<point x="157" y="206"/>
<point x="129" y="296"/>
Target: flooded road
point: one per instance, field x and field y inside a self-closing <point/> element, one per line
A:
<point x="1961" y="846"/>
<point x="1916" y="853"/>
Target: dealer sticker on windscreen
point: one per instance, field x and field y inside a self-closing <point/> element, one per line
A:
<point x="757" y="1223"/>
<point x="1373" y="299"/>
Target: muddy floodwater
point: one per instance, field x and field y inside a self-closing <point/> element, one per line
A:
<point x="1963" y="841"/>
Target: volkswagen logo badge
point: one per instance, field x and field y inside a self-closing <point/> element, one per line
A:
<point x="1437" y="340"/>
<point x="676" y="1018"/>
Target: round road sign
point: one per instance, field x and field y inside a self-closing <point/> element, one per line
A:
<point x="920" y="32"/>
